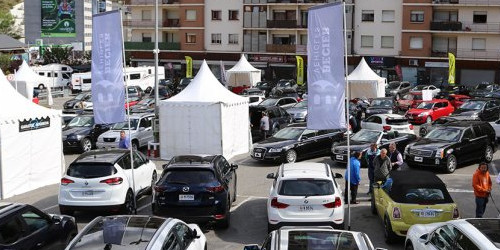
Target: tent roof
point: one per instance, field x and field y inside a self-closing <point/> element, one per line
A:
<point x="9" y="43"/>
<point x="242" y="66"/>
<point x="205" y="88"/>
<point x="363" y="72"/>
<point x="25" y="73"/>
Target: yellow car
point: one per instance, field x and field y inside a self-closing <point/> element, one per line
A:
<point x="415" y="197"/>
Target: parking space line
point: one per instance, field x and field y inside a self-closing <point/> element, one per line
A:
<point x="241" y="203"/>
<point x="143" y="207"/>
<point x="49" y="208"/>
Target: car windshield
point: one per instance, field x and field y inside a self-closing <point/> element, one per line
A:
<point x="445" y="134"/>
<point x="381" y="102"/>
<point x="261" y="84"/>
<point x="393" y="85"/>
<point x="284" y="83"/>
<point x="90" y="170"/>
<point x="124" y="125"/>
<point x="425" y="105"/>
<point x="289" y="133"/>
<point x="417" y="195"/>
<point x="268" y="102"/>
<point x="82" y="121"/>
<point x="366" y="136"/>
<point x="472" y="105"/>
<point x="182" y="176"/>
<point x="306" y="187"/>
<point x="80" y="96"/>
<point x="302" y="104"/>
<point x="332" y="240"/>
<point x="419" y="87"/>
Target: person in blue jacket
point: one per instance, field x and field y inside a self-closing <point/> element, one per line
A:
<point x="355" y="177"/>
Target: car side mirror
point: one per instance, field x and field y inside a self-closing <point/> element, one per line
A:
<point x="56" y="219"/>
<point x="234" y="166"/>
<point x="424" y="238"/>
<point x="251" y="247"/>
<point x="303" y="138"/>
<point x="337" y="176"/>
<point x="270" y="176"/>
<point x="194" y="234"/>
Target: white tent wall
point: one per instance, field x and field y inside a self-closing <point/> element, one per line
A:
<point x="24" y="88"/>
<point x="243" y="73"/>
<point x="235" y="130"/>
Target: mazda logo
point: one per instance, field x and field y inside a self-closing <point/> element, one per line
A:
<point x="185" y="189"/>
<point x="306" y="201"/>
<point x="86" y="183"/>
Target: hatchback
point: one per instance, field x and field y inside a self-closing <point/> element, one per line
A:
<point x="428" y="111"/>
<point x="388" y="122"/>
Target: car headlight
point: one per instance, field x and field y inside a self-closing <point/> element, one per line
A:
<point x="368" y="111"/>
<point x="75" y="137"/>
<point x="474" y="116"/>
<point x="422" y="114"/>
<point x="440" y="153"/>
<point x="275" y="150"/>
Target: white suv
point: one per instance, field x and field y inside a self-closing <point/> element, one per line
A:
<point x="305" y="194"/>
<point x="102" y="179"/>
<point x="388" y="122"/>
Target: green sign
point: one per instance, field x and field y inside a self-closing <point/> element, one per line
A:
<point x="58" y="18"/>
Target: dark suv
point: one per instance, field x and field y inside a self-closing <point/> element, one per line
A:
<point x="23" y="226"/>
<point x="278" y="118"/>
<point x="456" y="143"/>
<point x="197" y="188"/>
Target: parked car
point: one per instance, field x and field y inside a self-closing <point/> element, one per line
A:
<point x="253" y="92"/>
<point x="456" y="143"/>
<point x="286" y="93"/>
<point x="482" y="89"/>
<point x="164" y="92"/>
<point x="388" y="122"/>
<point x="410" y="100"/>
<point x="23" y="226"/>
<point x="69" y="106"/>
<point x="361" y="141"/>
<point x="146" y="105"/>
<point x="496" y="127"/>
<point x="455" y="234"/>
<point x="298" y="111"/>
<point x="141" y="126"/>
<point x="455" y="89"/>
<point x="284" y="102"/>
<point x="419" y="88"/>
<point x="480" y="109"/>
<point x="296" y="142"/>
<point x="265" y="86"/>
<point x="198" y="188"/>
<point x="457" y="100"/>
<point x="139" y="232"/>
<point x="428" y="111"/>
<point x="102" y="180"/>
<point x="66" y="118"/>
<point x="440" y="122"/>
<point x="254" y="100"/>
<point x="81" y="133"/>
<point x="313" y="238"/>
<point x="183" y="83"/>
<point x="278" y="118"/>
<point x="397" y="89"/>
<point x="421" y="199"/>
<point x="285" y="84"/>
<point x="381" y="105"/>
<point x="304" y="193"/>
<point x="135" y="91"/>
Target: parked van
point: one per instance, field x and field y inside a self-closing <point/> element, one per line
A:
<point x="81" y="82"/>
<point x="55" y="75"/>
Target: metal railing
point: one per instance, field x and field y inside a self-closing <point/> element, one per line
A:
<point x="453" y="26"/>
<point x="139" y="23"/>
<point x="151" y="46"/>
<point x="282" y="23"/>
<point x="443" y="53"/>
<point x="481" y="27"/>
<point x="281" y="48"/>
<point x="478" y="54"/>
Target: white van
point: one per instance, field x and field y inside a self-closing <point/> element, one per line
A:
<point x="55" y="75"/>
<point x="144" y="76"/>
<point x="81" y="82"/>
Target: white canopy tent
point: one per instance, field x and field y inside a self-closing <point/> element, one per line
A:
<point x="205" y="118"/>
<point x="26" y="79"/>
<point x="363" y="82"/>
<point x="30" y="143"/>
<point x="243" y="73"/>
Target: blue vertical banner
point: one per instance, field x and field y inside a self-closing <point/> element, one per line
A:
<point x="325" y="71"/>
<point x="108" y="92"/>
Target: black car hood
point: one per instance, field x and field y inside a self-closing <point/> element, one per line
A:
<point x="465" y="112"/>
<point x="71" y="102"/>
<point x="430" y="144"/>
<point x="354" y="145"/>
<point x="76" y="130"/>
<point x="274" y="143"/>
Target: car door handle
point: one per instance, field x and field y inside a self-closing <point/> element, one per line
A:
<point x="39" y="244"/>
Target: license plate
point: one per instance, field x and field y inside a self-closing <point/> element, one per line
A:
<point x="305" y="208"/>
<point x="419" y="159"/>
<point x="339" y="157"/>
<point x="427" y="213"/>
<point x="258" y="154"/>
<point x="88" y="193"/>
<point x="186" y="197"/>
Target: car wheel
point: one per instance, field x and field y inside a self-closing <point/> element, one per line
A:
<point x="372" y="203"/>
<point x="128" y="205"/>
<point x="422" y="132"/>
<point x="154" y="177"/>
<point x="224" y="224"/>
<point x="85" y="145"/>
<point x="409" y="246"/>
<point x="290" y="156"/>
<point x="390" y="236"/>
<point x="488" y="154"/>
<point x="135" y="145"/>
<point x="451" y="164"/>
<point x="148" y="90"/>
<point x="428" y="120"/>
<point x="41" y="86"/>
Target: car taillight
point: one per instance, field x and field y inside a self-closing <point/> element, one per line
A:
<point x="113" y="181"/>
<point x="276" y="204"/>
<point x="386" y="128"/>
<point x="411" y="126"/>
<point x="216" y="189"/>
<point x="336" y="203"/>
<point x="66" y="181"/>
<point x="396" y="213"/>
<point x="456" y="214"/>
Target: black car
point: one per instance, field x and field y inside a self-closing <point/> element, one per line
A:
<point x="456" y="143"/>
<point x="296" y="142"/>
<point x="23" y="226"/>
<point x="446" y="91"/>
<point x="81" y="133"/>
<point x="382" y="105"/>
<point x="183" y="84"/>
<point x="397" y="89"/>
<point x="135" y="92"/>
<point x="278" y="118"/>
<point x="479" y="109"/>
<point x="440" y="122"/>
<point x="69" y="106"/>
<point x="265" y="86"/>
<point x="252" y="91"/>
<point x="482" y="89"/>
<point x="285" y="84"/>
<point x="197" y="188"/>
<point x="164" y="92"/>
<point x="361" y="141"/>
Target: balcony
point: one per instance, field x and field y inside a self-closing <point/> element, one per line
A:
<point x="151" y="46"/>
<point x="281" y="48"/>
<point x="139" y="23"/>
<point x="150" y="2"/>
<point x="478" y="54"/>
<point x="171" y="23"/>
<point x="450" y="26"/>
<point x="281" y="23"/>
<point x="443" y="53"/>
<point x="482" y="27"/>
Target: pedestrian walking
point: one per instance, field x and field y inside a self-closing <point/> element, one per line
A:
<point x="264" y="125"/>
<point x="355" y="178"/>
<point x="124" y="141"/>
<point x="370" y="155"/>
<point x="481" y="182"/>
<point x="395" y="156"/>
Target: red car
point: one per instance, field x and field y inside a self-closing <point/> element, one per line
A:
<point x="458" y="100"/>
<point x="132" y="101"/>
<point x="429" y="111"/>
<point x="410" y="100"/>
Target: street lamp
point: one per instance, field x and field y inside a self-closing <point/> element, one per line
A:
<point x="157" y="99"/>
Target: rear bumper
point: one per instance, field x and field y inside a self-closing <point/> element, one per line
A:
<point x="339" y="225"/>
<point x="90" y="208"/>
<point x="400" y="228"/>
<point x="201" y="214"/>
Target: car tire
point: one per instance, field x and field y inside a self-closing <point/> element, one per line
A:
<point x="70" y="237"/>
<point x="148" y="90"/>
<point x="85" y="145"/>
<point x="128" y="204"/>
<point x="409" y="246"/>
<point x="224" y="224"/>
<point x="390" y="236"/>
<point x="428" y="120"/>
<point x="373" y="207"/>
<point x="290" y="156"/>
<point x="488" y="154"/>
<point x="451" y="164"/>
<point x="135" y="145"/>
<point x="66" y="211"/>
<point x="154" y="177"/>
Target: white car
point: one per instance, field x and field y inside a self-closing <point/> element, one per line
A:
<point x="139" y="232"/>
<point x="419" y="88"/>
<point x="254" y="100"/>
<point x="141" y="132"/>
<point x="463" y="234"/>
<point x="304" y="193"/>
<point x="388" y="122"/>
<point x="313" y="238"/>
<point x="496" y="126"/>
<point x="103" y="179"/>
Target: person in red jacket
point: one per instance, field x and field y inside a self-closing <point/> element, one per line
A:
<point x="481" y="182"/>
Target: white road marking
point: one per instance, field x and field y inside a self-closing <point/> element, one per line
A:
<point x="241" y="203"/>
<point x="458" y="190"/>
<point x="49" y="208"/>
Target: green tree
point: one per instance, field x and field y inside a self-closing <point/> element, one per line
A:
<point x="7" y="25"/>
<point x="57" y="55"/>
<point x="5" y="63"/>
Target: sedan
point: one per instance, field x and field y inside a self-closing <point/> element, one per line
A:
<point x="397" y="89"/>
<point x="81" y="133"/>
<point x="298" y="111"/>
<point x="388" y="122"/>
<point x="420" y="88"/>
<point x="383" y="105"/>
<point x="428" y="111"/>
<point x="480" y="109"/>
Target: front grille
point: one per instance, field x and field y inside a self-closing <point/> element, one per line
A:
<point x="109" y="139"/>
<point x="425" y="153"/>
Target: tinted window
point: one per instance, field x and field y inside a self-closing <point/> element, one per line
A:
<point x="145" y="122"/>
<point x="468" y="134"/>
<point x="463" y="242"/>
<point x="90" y="170"/>
<point x="11" y="231"/>
<point x="415" y="195"/>
<point x="171" y="243"/>
<point x="34" y="221"/>
<point x="443" y="238"/>
<point x="198" y="176"/>
<point x="289" y="133"/>
<point x="305" y="240"/>
<point x="182" y="232"/>
<point x="138" y="161"/>
<point x="306" y="187"/>
<point x="226" y="168"/>
<point x="309" y="133"/>
<point x="125" y="162"/>
<point x="267" y="242"/>
<point x="445" y="134"/>
<point x="398" y="121"/>
<point x="135" y="76"/>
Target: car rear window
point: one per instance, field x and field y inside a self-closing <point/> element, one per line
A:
<point x="188" y="177"/>
<point x="305" y="240"/>
<point x="489" y="227"/>
<point x="398" y="121"/>
<point x="425" y="196"/>
<point x="306" y="187"/>
<point x="89" y="171"/>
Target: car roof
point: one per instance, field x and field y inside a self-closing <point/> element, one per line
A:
<point x="389" y="115"/>
<point x="464" y="123"/>
<point x="305" y="170"/>
<point x="102" y="155"/>
<point x="436" y="100"/>
<point x="488" y="227"/>
<point x="198" y="160"/>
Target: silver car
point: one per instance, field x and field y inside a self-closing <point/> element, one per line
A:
<point x="141" y="126"/>
<point x="298" y="111"/>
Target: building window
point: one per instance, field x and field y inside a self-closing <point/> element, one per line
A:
<point x="478" y="43"/>
<point x="216" y="38"/>
<point x="416" y="42"/>
<point x="191" y="15"/>
<point x="417" y="16"/>
<point x="388" y="16"/>
<point x="146" y="37"/>
<point x="367" y="16"/>
<point x="367" y="41"/>
<point x="233" y="39"/>
<point x="387" y="42"/>
<point x="216" y="15"/>
<point x="480" y="17"/>
<point x="233" y="14"/>
<point x="190" y="38"/>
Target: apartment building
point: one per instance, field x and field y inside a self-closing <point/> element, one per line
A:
<point x="470" y="29"/>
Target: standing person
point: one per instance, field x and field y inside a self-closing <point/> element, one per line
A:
<point x="395" y="156"/>
<point x="124" y="141"/>
<point x="370" y="156"/>
<point x="264" y="125"/>
<point x="381" y="166"/>
<point x="355" y="178"/>
<point x="481" y="182"/>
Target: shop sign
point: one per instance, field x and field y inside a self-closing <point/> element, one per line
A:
<point x="436" y="64"/>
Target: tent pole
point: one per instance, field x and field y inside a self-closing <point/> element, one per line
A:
<point x="348" y="135"/>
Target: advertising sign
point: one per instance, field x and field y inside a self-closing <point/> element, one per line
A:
<point x="58" y="18"/>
